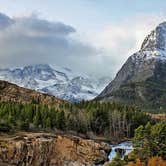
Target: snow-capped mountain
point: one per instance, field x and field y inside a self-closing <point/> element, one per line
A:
<point x="142" y="79"/>
<point x="60" y="82"/>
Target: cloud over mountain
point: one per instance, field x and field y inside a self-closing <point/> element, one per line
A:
<point x="31" y="40"/>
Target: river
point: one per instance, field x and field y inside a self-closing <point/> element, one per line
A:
<point x="127" y="146"/>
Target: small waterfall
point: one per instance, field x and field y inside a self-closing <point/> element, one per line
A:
<point x="127" y="147"/>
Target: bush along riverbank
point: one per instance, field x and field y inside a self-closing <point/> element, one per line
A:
<point x="149" y="147"/>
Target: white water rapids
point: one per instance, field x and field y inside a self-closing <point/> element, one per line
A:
<point x="127" y="146"/>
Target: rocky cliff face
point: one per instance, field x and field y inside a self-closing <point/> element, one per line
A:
<point x="39" y="149"/>
<point x="142" y="79"/>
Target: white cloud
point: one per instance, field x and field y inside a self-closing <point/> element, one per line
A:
<point x="120" y="40"/>
<point x="30" y="40"/>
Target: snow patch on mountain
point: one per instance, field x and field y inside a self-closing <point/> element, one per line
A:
<point x="60" y="82"/>
<point x="154" y="45"/>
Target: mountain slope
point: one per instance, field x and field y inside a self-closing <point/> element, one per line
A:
<point x="142" y="79"/>
<point x="12" y="93"/>
<point x="60" y="82"/>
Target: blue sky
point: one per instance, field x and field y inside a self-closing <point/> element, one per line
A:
<point x="84" y="13"/>
<point x="106" y="32"/>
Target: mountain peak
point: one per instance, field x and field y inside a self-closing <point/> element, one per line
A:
<point x="142" y="79"/>
<point x="156" y="40"/>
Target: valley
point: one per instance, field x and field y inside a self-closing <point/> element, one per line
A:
<point x="56" y="117"/>
<point x="30" y="127"/>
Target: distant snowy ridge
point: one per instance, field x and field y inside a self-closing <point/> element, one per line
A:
<point x="60" y="82"/>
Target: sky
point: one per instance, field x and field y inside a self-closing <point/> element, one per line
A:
<point x="90" y="36"/>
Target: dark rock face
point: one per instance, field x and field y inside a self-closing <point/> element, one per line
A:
<point x="120" y="151"/>
<point x="41" y="149"/>
<point x="142" y="79"/>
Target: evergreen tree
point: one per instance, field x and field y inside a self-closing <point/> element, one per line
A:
<point x="48" y="123"/>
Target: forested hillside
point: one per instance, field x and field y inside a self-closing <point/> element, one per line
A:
<point x="12" y="93"/>
<point x="112" y="121"/>
<point x="26" y="110"/>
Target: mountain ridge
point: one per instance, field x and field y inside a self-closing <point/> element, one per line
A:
<point x="60" y="82"/>
<point x="10" y="92"/>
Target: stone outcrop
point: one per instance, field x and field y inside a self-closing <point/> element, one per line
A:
<point x="41" y="149"/>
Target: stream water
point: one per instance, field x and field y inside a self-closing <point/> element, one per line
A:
<point x="126" y="146"/>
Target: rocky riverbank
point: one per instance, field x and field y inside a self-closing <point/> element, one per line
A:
<point x="41" y="149"/>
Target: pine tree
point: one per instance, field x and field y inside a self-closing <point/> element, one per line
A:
<point x="48" y="123"/>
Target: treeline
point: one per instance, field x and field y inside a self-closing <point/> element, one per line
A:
<point x="17" y="116"/>
<point x="106" y="119"/>
<point x="114" y="119"/>
<point x="30" y="116"/>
